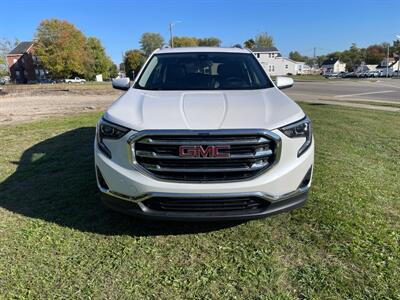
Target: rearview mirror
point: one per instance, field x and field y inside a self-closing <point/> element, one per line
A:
<point x="121" y="83"/>
<point x="284" y="82"/>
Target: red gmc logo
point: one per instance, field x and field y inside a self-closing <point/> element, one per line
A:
<point x="200" y="151"/>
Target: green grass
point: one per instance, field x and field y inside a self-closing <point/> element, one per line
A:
<point x="58" y="241"/>
<point x="310" y="77"/>
<point x="374" y="102"/>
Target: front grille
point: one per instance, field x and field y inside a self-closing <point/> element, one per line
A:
<point x="251" y="152"/>
<point x="199" y="205"/>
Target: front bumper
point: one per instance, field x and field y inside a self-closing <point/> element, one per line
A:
<point x="140" y="209"/>
<point x="282" y="188"/>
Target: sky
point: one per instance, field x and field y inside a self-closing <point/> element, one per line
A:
<point x="300" y="25"/>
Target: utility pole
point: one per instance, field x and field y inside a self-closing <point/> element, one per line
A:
<point x="315" y="59"/>
<point x="171" y="36"/>
<point x="387" y="62"/>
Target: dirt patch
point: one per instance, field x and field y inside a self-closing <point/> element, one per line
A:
<point x="15" y="109"/>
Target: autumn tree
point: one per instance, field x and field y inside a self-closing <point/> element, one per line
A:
<point x="97" y="60"/>
<point x="375" y="54"/>
<point x="133" y="61"/>
<point x="61" y="48"/>
<point x="209" y="41"/>
<point x="264" y="40"/>
<point x="185" y="41"/>
<point x="150" y="41"/>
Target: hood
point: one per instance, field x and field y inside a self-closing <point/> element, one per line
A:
<point x="265" y="109"/>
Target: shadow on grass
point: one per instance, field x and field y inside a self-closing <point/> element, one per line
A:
<point x="55" y="182"/>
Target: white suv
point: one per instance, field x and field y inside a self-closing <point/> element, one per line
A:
<point x="203" y="134"/>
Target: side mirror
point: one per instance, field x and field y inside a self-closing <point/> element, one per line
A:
<point x="121" y="83"/>
<point x="284" y="82"/>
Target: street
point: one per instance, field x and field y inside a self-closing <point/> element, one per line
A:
<point x="387" y="90"/>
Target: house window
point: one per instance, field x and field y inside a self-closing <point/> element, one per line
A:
<point x="258" y="55"/>
<point x="286" y="66"/>
<point x="273" y="68"/>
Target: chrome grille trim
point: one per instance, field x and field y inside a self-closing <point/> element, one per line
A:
<point x="151" y="154"/>
<point x="253" y="151"/>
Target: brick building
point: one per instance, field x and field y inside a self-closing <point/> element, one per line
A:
<point x="24" y="66"/>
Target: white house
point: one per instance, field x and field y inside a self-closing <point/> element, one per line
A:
<point x="333" y="66"/>
<point x="273" y="62"/>
<point x="390" y="65"/>
<point x="364" y="67"/>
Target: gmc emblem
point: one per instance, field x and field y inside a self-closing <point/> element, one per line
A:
<point x="208" y="151"/>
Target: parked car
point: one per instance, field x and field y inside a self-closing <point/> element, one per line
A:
<point x="46" y="81"/>
<point x="75" y="80"/>
<point x="6" y="79"/>
<point x="348" y="75"/>
<point x="203" y="134"/>
<point x="331" y="74"/>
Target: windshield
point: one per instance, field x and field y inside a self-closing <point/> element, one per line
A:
<point x="203" y="71"/>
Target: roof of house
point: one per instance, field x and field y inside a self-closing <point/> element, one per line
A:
<point x="21" y="48"/>
<point x="391" y="63"/>
<point x="265" y="49"/>
<point x="329" y="62"/>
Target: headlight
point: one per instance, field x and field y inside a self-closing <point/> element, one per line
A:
<point x="108" y="130"/>
<point x="300" y="129"/>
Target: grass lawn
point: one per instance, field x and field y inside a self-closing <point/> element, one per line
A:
<point x="311" y="77"/>
<point x="58" y="241"/>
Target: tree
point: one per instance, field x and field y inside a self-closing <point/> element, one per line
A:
<point x="375" y="54"/>
<point x="264" y="40"/>
<point x="61" y="48"/>
<point x="250" y="43"/>
<point x="133" y="61"/>
<point x="97" y="60"/>
<point x="353" y="57"/>
<point x="6" y="46"/>
<point x="150" y="41"/>
<point x="113" y="70"/>
<point x="185" y="41"/>
<point x="296" y="56"/>
<point x="209" y="41"/>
